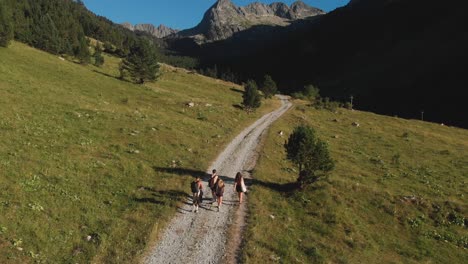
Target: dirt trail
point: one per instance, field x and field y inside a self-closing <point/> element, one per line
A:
<point x="203" y="237"/>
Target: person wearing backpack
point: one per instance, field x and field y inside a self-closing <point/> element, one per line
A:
<point x="212" y="184"/>
<point x="219" y="192"/>
<point x="239" y="186"/>
<point x="197" y="193"/>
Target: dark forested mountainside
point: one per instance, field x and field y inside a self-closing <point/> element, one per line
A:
<point x="62" y="27"/>
<point x="396" y="57"/>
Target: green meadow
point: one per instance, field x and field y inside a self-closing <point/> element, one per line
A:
<point x="92" y="168"/>
<point x="398" y="193"/>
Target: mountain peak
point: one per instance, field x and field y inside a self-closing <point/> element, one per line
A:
<point x="298" y="3"/>
<point x="223" y="2"/>
<point x="223" y="5"/>
<point x="224" y="19"/>
<point x="160" y="32"/>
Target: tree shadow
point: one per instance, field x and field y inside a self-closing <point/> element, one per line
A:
<point x="238" y="106"/>
<point x="237" y="90"/>
<point x="284" y="188"/>
<point x="161" y="197"/>
<point x="208" y="207"/>
<point x="148" y="200"/>
<point x="182" y="210"/>
<point x="183" y="172"/>
<point x="111" y="76"/>
<point x="226" y="179"/>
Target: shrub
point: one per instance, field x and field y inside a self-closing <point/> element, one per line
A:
<point x="311" y="92"/>
<point x="325" y="103"/>
<point x="298" y="95"/>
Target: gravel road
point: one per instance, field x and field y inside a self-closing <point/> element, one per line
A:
<point x="210" y="236"/>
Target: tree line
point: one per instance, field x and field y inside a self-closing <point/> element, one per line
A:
<point x="63" y="27"/>
<point x="60" y="27"/>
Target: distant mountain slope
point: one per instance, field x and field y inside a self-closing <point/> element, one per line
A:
<point x="395" y="57"/>
<point x="61" y="27"/>
<point x="160" y="31"/>
<point x="224" y="18"/>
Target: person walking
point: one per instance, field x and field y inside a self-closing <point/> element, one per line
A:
<point x="239" y="186"/>
<point x="220" y="193"/>
<point x="212" y="184"/>
<point x="197" y="193"/>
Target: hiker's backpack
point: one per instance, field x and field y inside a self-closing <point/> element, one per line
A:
<point x="211" y="183"/>
<point x="194" y="186"/>
<point x="217" y="188"/>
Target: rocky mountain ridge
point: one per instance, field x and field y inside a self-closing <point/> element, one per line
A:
<point x="224" y="18"/>
<point x="160" y="31"/>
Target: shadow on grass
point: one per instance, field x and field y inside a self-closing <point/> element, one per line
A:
<point x="162" y="197"/>
<point x="237" y="90"/>
<point x="284" y="188"/>
<point x="111" y="76"/>
<point x="195" y="173"/>
<point x="148" y="200"/>
<point x="238" y="106"/>
<point x="183" y="172"/>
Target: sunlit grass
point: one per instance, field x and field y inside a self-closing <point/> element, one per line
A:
<point x="397" y="194"/>
<point x="84" y="157"/>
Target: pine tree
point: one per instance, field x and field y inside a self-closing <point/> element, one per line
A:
<point x="251" y="96"/>
<point x="269" y="87"/>
<point x="140" y="64"/>
<point x="98" y="58"/>
<point x="81" y="51"/>
<point x="309" y="153"/>
<point x="6" y="24"/>
<point x="46" y="34"/>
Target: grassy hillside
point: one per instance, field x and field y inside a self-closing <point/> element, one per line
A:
<point x="398" y="194"/>
<point x="92" y="168"/>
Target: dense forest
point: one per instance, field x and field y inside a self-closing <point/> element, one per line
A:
<point x="63" y="27"/>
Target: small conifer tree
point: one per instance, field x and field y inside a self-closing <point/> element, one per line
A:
<point x="140" y="64"/>
<point x="309" y="153"/>
<point x="251" y="96"/>
<point x="269" y="87"/>
<point x="82" y="50"/>
<point x="98" y="58"/>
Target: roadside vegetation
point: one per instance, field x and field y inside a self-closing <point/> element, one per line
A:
<point x="397" y="193"/>
<point x="93" y="167"/>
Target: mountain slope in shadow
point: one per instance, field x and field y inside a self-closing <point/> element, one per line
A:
<point x="394" y="57"/>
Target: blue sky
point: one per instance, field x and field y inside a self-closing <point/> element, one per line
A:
<point x="179" y="14"/>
